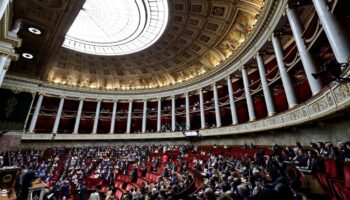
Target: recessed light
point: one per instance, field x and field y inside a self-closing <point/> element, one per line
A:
<point x="34" y="30"/>
<point x="27" y="56"/>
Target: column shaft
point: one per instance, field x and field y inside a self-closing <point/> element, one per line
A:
<point x="58" y="116"/>
<point x="128" y="124"/>
<point x="287" y="83"/>
<point x="3" y="6"/>
<point x="114" y="112"/>
<point x="188" y="123"/>
<point x="77" y="120"/>
<point x="36" y="114"/>
<point x="4" y="63"/>
<point x="232" y="101"/>
<point x="217" y="106"/>
<point x="159" y="115"/>
<point x="305" y="56"/>
<point x="201" y="107"/>
<point x="266" y="90"/>
<point x="144" y="116"/>
<point x="248" y="98"/>
<point x="173" y="114"/>
<point x="337" y="36"/>
<point x="97" y="116"/>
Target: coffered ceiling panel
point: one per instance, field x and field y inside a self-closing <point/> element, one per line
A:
<point x="199" y="36"/>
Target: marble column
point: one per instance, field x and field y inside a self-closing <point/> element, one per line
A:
<point x="77" y="120"/>
<point x="336" y="34"/>
<point x="144" y="116"/>
<point x="4" y="64"/>
<point x="201" y="108"/>
<point x="97" y="116"/>
<point x="159" y="115"/>
<point x="58" y="116"/>
<point x="128" y="123"/>
<point x="36" y="113"/>
<point x="232" y="102"/>
<point x="248" y="98"/>
<point x="173" y="114"/>
<point x="266" y="90"/>
<point x="287" y="83"/>
<point x="188" y="122"/>
<point x="3" y="7"/>
<point x="309" y="64"/>
<point x="114" y="112"/>
<point x="217" y="107"/>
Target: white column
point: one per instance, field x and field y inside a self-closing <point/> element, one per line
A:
<point x="305" y="56"/>
<point x="173" y="114"/>
<point x="217" y="107"/>
<point x="4" y="64"/>
<point x="201" y="107"/>
<point x="97" y="116"/>
<point x="128" y="123"/>
<point x="287" y="83"/>
<point x="266" y="90"/>
<point x="188" y="123"/>
<point x="159" y="115"/>
<point x="248" y="98"/>
<point x="36" y="113"/>
<point x="114" y="112"/>
<point x="58" y="116"/>
<point x="3" y="6"/>
<point x="77" y="120"/>
<point x="144" y="116"/>
<point x="232" y="101"/>
<point x="336" y="34"/>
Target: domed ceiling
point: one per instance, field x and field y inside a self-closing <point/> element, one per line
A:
<point x="198" y="37"/>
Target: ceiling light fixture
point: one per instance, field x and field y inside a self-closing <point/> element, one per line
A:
<point x="35" y="31"/>
<point x="27" y="56"/>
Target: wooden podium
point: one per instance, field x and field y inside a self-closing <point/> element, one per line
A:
<point x="8" y="176"/>
<point x="36" y="192"/>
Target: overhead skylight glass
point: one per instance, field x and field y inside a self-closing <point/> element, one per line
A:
<point x="117" y="27"/>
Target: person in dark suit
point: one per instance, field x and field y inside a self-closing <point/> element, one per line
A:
<point x="28" y="178"/>
<point x="65" y="190"/>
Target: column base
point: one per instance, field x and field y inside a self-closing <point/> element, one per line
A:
<point x="235" y="123"/>
<point x="75" y="133"/>
<point x="252" y="120"/>
<point x="292" y="106"/>
<point x="110" y="133"/>
<point x="30" y="132"/>
<point x="271" y="114"/>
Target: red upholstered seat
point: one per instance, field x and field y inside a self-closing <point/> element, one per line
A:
<point x="341" y="190"/>
<point x="118" y="184"/>
<point x="118" y="195"/>
<point x="347" y="176"/>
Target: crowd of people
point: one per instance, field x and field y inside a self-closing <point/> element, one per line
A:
<point x="262" y="175"/>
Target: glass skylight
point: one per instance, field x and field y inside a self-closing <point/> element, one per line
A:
<point x="117" y="27"/>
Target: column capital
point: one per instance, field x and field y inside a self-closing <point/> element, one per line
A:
<point x="41" y="94"/>
<point x="159" y="98"/>
<point x="200" y="90"/>
<point x="213" y="84"/>
<point x="98" y="100"/>
<point x="172" y="97"/>
<point x="115" y="100"/>
<point x="144" y="100"/>
<point x="81" y="98"/>
<point x="186" y="94"/>
<point x="130" y="100"/>
<point x="62" y="97"/>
